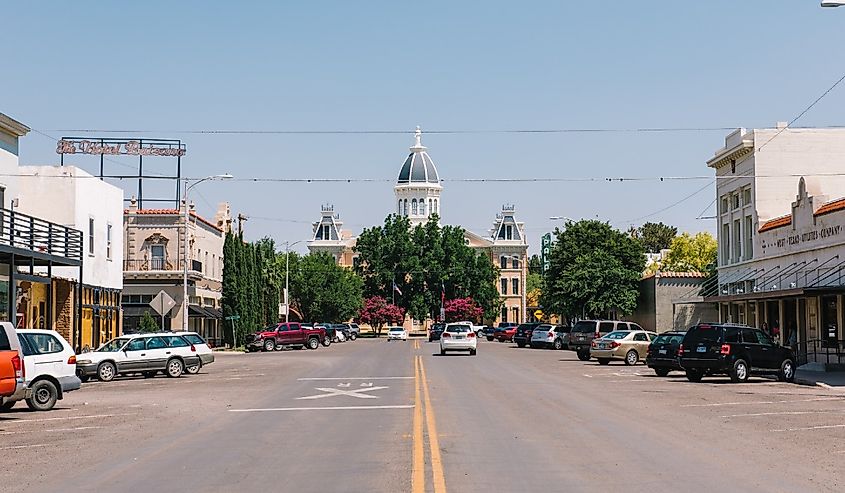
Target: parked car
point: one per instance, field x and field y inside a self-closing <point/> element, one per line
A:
<point x="355" y="329"/>
<point x="203" y="351"/>
<point x="734" y="350"/>
<point x="584" y="331"/>
<point x="350" y="333"/>
<point x="147" y="354"/>
<point x="663" y="353"/>
<point x="12" y="370"/>
<point x="490" y="332"/>
<point x="629" y="346"/>
<point x="397" y="334"/>
<point x="284" y="334"/>
<point x="505" y="334"/>
<point x="550" y="336"/>
<point x="49" y="369"/>
<point x="522" y="336"/>
<point x="331" y="333"/>
<point x="458" y="337"/>
<point x="435" y="331"/>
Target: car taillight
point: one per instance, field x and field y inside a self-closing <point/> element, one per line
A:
<point x="726" y="349"/>
<point x="681" y="350"/>
<point x="593" y="344"/>
<point x="470" y="335"/>
<point x="597" y="335"/>
<point x="193" y="349"/>
<point x="615" y="344"/>
<point x="17" y="364"/>
<point x="551" y="335"/>
<point x="446" y="335"/>
<point x="72" y="360"/>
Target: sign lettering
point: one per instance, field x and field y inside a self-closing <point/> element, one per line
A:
<point x="129" y="148"/>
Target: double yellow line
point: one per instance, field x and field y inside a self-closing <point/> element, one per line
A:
<point x="418" y="473"/>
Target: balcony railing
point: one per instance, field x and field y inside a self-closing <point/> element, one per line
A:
<point x="160" y="265"/>
<point x="23" y="231"/>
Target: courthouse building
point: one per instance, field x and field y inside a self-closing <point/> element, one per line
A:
<point x="417" y="196"/>
<point x="781" y="235"/>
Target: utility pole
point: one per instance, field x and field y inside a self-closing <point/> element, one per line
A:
<point x="241" y="220"/>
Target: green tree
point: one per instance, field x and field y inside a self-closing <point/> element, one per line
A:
<point x="533" y="282"/>
<point x="691" y="253"/>
<point x="324" y="291"/>
<point x="535" y="266"/>
<point x="148" y="323"/>
<point x="594" y="269"/>
<point x="656" y="236"/>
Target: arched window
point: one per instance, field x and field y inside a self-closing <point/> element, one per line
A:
<point x="436" y="208"/>
<point x="414" y="207"/>
<point x="516" y="263"/>
<point x="405" y="208"/>
<point x="503" y="262"/>
<point x="399" y="207"/>
<point x="422" y="207"/>
<point x="430" y="207"/>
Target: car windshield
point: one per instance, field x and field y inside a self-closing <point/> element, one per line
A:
<point x="584" y="326"/>
<point x="460" y="329"/>
<point x="113" y="345"/>
<point x="619" y="334"/>
<point x="397" y="329"/>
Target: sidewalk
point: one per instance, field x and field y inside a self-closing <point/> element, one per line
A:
<point x="828" y="379"/>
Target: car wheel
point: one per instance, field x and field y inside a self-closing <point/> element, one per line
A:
<point x="520" y="344"/>
<point x="313" y="343"/>
<point x="558" y="344"/>
<point x="175" y="367"/>
<point x="694" y="375"/>
<point x="84" y="378"/>
<point x="604" y="361"/>
<point x="661" y="372"/>
<point x="106" y="372"/>
<point x="353" y="336"/>
<point x="44" y="396"/>
<point x="269" y="345"/>
<point x="631" y="358"/>
<point x="149" y="374"/>
<point x="739" y="372"/>
<point x="489" y="339"/>
<point x="7" y="406"/>
<point x="472" y="352"/>
<point x="787" y="371"/>
<point x="584" y="355"/>
<point x="327" y="342"/>
<point x="442" y="352"/>
<point x="194" y="369"/>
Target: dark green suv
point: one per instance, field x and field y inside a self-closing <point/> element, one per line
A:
<point x="738" y="351"/>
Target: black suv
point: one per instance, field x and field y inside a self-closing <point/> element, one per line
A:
<point x="662" y="354"/>
<point x="435" y="332"/>
<point x="522" y="337"/>
<point x="734" y="350"/>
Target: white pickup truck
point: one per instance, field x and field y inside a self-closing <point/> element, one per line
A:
<point x="478" y="329"/>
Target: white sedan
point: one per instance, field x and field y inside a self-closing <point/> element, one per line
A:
<point x="458" y="337"/>
<point x="397" y="334"/>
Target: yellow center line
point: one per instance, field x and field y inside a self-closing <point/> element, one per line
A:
<point x="418" y="471"/>
<point x="433" y="439"/>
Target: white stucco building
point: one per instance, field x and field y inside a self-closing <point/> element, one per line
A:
<point x="781" y="233"/>
<point x="417" y="195"/>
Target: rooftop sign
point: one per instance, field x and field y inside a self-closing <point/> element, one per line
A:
<point x="114" y="147"/>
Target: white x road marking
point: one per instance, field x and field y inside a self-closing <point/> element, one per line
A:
<point x="329" y="392"/>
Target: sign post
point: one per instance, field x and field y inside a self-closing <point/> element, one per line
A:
<point x="162" y="304"/>
<point x="234" y="334"/>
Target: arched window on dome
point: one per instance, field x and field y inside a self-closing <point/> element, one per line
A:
<point x="414" y="207"/>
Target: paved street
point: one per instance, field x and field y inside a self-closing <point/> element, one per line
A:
<point x="378" y="416"/>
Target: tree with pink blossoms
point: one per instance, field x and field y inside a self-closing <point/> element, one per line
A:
<point x="377" y="312"/>
<point x="461" y="309"/>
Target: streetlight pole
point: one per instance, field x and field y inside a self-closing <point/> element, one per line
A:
<point x="188" y="188"/>
<point x="288" y="244"/>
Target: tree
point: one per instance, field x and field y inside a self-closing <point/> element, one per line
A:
<point x="324" y="291"/>
<point x="148" y="323"/>
<point x="533" y="282"/>
<point x="377" y="312"/>
<point x="594" y="270"/>
<point x="691" y="253"/>
<point x="656" y="236"/>
<point x="463" y="309"/>
<point x="535" y="266"/>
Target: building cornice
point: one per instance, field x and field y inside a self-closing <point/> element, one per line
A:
<point x="12" y="127"/>
<point x="725" y="156"/>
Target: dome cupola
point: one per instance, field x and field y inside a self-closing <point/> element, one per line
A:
<point x="418" y="187"/>
<point x="418" y="167"/>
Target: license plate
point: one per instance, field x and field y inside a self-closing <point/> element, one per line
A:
<point x="602" y="346"/>
<point x="459" y="337"/>
<point x="662" y="351"/>
<point x="701" y="349"/>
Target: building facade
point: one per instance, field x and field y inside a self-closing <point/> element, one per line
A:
<point x="69" y="196"/>
<point x="31" y="247"/>
<point x="417" y="196"/>
<point x="154" y="260"/>
<point x="672" y="301"/>
<point x="781" y="215"/>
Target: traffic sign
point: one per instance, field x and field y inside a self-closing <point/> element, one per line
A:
<point x="233" y="317"/>
<point x="162" y="303"/>
<point x="538" y="314"/>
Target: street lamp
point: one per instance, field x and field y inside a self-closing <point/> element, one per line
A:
<point x="288" y="244"/>
<point x="833" y="3"/>
<point x="225" y="176"/>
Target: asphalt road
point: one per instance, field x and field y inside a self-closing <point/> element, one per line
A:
<point x="376" y="416"/>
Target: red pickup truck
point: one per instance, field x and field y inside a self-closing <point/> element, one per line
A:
<point x="286" y="334"/>
<point x="11" y="362"/>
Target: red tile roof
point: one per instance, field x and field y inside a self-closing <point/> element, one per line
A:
<point x="690" y="274"/>
<point x="776" y="223"/>
<point x="832" y="206"/>
<point x="165" y="212"/>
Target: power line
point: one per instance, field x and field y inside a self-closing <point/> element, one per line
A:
<point x="401" y="132"/>
<point x="671" y="205"/>
<point x="808" y="108"/>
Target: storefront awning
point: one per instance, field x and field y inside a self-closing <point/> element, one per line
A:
<point x="200" y="312"/>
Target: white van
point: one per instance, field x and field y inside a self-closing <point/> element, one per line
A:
<point x="50" y="369"/>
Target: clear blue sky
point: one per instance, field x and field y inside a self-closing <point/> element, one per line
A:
<point x="389" y="65"/>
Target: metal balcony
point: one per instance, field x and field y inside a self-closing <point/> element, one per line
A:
<point x="28" y="236"/>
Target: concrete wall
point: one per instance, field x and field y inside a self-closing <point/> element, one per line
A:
<point x="8" y="167"/>
<point x="69" y="196"/>
<point x="671" y="303"/>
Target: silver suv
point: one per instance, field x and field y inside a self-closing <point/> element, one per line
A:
<point x="585" y="331"/>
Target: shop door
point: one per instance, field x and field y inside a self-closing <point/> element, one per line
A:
<point x="829" y="326"/>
